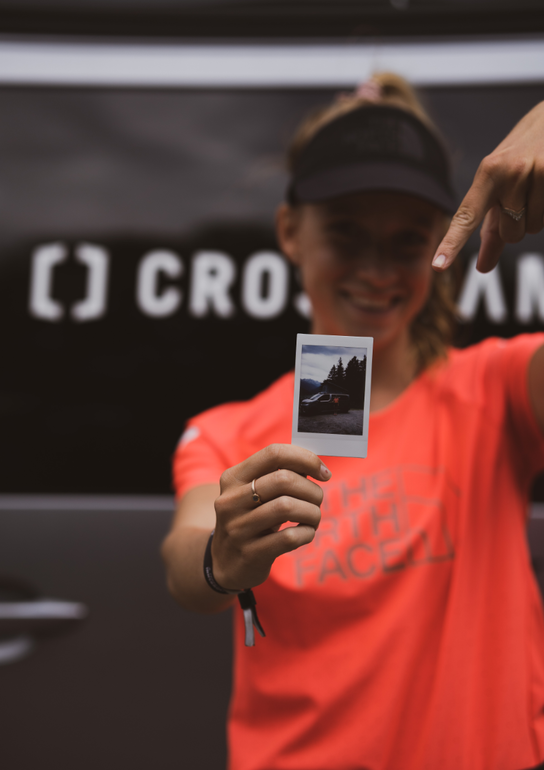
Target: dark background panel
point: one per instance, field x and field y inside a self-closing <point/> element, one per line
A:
<point x="97" y="406"/>
<point x="141" y="683"/>
<point x="237" y="19"/>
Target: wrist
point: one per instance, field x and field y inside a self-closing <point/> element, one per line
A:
<point x="245" y="597"/>
<point x="209" y="574"/>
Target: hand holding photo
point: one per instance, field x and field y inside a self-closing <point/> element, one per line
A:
<point x="332" y="394"/>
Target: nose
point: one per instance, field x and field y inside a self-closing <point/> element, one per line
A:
<point x="375" y="266"/>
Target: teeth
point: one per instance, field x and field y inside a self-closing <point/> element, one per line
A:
<point x="372" y="304"/>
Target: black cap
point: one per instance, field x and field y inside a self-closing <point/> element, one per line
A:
<point x="374" y="147"/>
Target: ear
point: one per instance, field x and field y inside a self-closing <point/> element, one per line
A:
<point x="287" y="225"/>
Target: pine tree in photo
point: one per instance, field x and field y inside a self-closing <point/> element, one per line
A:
<point x="352" y="374"/>
<point x="355" y="381"/>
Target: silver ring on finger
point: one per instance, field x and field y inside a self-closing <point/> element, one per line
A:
<point x="255" y="495"/>
<point x="516" y="215"/>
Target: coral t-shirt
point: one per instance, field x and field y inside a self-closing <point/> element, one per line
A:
<point x="409" y="634"/>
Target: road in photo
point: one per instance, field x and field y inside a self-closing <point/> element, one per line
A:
<point x="348" y="423"/>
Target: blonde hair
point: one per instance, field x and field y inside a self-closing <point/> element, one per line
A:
<point x="433" y="329"/>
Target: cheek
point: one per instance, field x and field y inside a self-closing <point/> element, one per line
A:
<point x="420" y="282"/>
<point x="319" y="270"/>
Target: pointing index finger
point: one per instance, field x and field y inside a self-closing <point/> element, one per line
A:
<point x="474" y="206"/>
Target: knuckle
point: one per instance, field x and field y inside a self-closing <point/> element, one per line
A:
<point x="465" y="217"/>
<point x="505" y="166"/>
<point x="220" y="505"/>
<point x="225" y="505"/>
<point x="518" y="167"/>
<point x="489" y="166"/>
<point x="538" y="169"/>
<point x="282" y="505"/>
<point x="275" y="451"/>
<point x="225" y="479"/>
<point x="282" y="477"/>
<point x="290" y="538"/>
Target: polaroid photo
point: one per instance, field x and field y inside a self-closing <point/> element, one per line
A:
<point x="332" y="394"/>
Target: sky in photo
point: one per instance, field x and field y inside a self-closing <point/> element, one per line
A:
<point x="316" y="360"/>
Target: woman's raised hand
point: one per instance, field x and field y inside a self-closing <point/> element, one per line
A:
<point x="247" y="536"/>
<point x="507" y="195"/>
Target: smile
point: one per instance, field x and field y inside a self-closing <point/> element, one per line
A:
<point x="375" y="305"/>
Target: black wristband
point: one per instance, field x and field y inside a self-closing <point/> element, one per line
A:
<point x="208" y="570"/>
<point x="245" y="597"/>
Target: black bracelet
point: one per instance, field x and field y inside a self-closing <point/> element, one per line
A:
<point x="245" y="597"/>
<point x="208" y="570"/>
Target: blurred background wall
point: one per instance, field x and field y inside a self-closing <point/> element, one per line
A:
<point x="141" y="161"/>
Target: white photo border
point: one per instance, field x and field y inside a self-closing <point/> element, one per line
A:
<point x="326" y="444"/>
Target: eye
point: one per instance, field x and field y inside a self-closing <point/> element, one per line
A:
<point x="413" y="238"/>
<point x="412" y="242"/>
<point x="345" y="235"/>
<point x="344" y="228"/>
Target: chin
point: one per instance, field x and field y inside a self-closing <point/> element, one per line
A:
<point x="380" y="329"/>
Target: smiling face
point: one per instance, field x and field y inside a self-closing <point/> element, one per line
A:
<point x="365" y="261"/>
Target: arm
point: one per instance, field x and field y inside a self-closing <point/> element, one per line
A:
<point x="512" y="177"/>
<point x="247" y="537"/>
<point x="183" y="551"/>
<point x="536" y="385"/>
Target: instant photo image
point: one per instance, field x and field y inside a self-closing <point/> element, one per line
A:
<point x="332" y="394"/>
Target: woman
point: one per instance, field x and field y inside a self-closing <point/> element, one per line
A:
<point x="404" y="625"/>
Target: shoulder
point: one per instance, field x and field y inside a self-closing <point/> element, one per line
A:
<point x="224" y="435"/>
<point x="494" y="352"/>
<point x="467" y="373"/>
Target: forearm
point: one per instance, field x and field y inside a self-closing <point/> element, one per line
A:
<point x="183" y="554"/>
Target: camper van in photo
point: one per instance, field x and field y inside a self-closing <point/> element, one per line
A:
<point x="321" y="403"/>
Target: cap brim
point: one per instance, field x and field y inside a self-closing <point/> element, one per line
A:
<point x="378" y="175"/>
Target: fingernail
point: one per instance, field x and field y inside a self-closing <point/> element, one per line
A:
<point x="439" y="260"/>
<point x="325" y="472"/>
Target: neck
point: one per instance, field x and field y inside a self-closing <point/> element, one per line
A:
<point x="394" y="367"/>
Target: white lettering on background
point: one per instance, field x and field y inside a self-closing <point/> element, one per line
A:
<point x="213" y="274"/>
<point x="530" y="288"/>
<point x="96" y="260"/>
<point x="486" y="287"/>
<point x="265" y="264"/>
<point x="41" y="303"/>
<point x="148" y="298"/>
<point x="264" y="286"/>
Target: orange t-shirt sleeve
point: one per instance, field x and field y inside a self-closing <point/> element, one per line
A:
<point x="511" y="360"/>
<point x="198" y="459"/>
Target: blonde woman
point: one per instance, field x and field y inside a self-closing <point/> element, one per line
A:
<point x="404" y="625"/>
